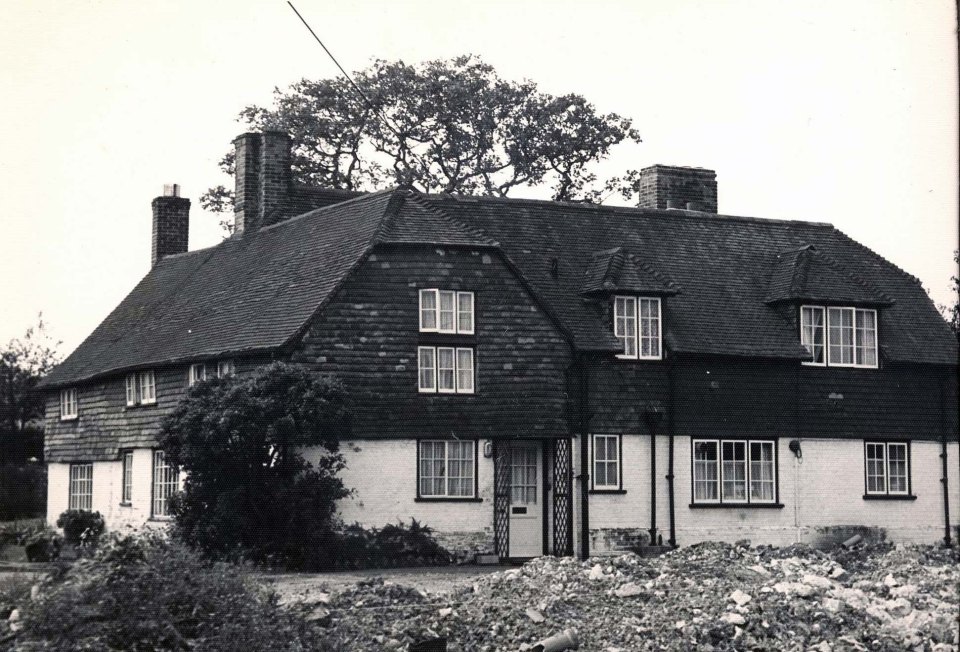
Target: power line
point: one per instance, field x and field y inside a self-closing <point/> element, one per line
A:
<point x="353" y="84"/>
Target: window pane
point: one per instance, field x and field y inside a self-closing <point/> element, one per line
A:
<point x="127" y="477"/>
<point x="446" y="369"/>
<point x="649" y="328"/>
<point x="866" y="337"/>
<point x="465" y="370"/>
<point x="460" y="467"/>
<point x="762" y="472"/>
<point x="465" y="312"/>
<point x="428" y="310"/>
<point x="132" y="389"/>
<point x="427" y="366"/>
<point x="812" y="332"/>
<point x="81" y="487"/>
<point x="523" y="475"/>
<point x="625" y="324"/>
<point x="447" y="311"/>
<point x="225" y="368"/>
<point x="165" y="484"/>
<point x="840" y="325"/>
<point x="876" y="468"/>
<point x="705" y="471"/>
<point x="897" y="468"/>
<point x="734" y="468"/>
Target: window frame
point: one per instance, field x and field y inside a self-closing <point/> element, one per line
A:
<point x="226" y="368"/>
<point x="887" y="494"/>
<point x="637" y="334"/>
<point x="74" y="498"/>
<point x="854" y="345"/>
<point x="446" y="497"/>
<point x="616" y="487"/>
<point x="126" y="477"/>
<point x="436" y="311"/>
<point x="135" y="384"/>
<point x="155" y="484"/>
<point x="69" y="404"/>
<point x="749" y="501"/>
<point x="193" y="377"/>
<point x="435" y="370"/>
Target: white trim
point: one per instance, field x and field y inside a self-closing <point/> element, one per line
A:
<point x="823" y="325"/>
<point x="452" y="369"/>
<point x="131" y="389"/>
<point x="473" y="373"/>
<point x="454" y="312"/>
<point x="876" y="336"/>
<point x="471" y="312"/>
<point x="126" y="478"/>
<point x="80" y="486"/>
<point x="432" y="388"/>
<point x="148" y="387"/>
<point x="885" y="447"/>
<point x="420" y="312"/>
<point x="693" y="471"/>
<point x="69" y="404"/>
<point x="906" y="466"/>
<point x="607" y="486"/>
<point x="748" y="475"/>
<point x="452" y="296"/>
<point x="637" y="317"/>
<point x="167" y="484"/>
<point x="470" y="464"/>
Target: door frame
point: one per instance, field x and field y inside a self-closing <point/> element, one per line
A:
<point x="501" y="498"/>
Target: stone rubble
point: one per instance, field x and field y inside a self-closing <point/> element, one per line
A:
<point x="709" y="597"/>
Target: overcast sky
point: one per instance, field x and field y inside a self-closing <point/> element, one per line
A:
<point x="844" y="112"/>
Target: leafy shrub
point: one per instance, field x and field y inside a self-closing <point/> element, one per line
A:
<point x="248" y="493"/>
<point x="43" y="545"/>
<point x="23" y="491"/>
<point x="146" y="593"/>
<point x="388" y="547"/>
<point x="81" y="527"/>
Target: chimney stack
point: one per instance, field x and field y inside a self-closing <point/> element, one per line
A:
<point x="263" y="180"/>
<point x="171" y="224"/>
<point x="668" y="186"/>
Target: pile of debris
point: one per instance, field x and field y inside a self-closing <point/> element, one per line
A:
<point x="710" y="596"/>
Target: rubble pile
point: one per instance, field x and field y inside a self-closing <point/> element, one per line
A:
<point x="708" y="597"/>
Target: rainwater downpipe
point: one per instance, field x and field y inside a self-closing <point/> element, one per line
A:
<point x="584" y="404"/>
<point x="670" y="433"/>
<point x="653" y="415"/>
<point x="943" y="463"/>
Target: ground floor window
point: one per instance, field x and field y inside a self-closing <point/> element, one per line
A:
<point x="166" y="482"/>
<point x="738" y="471"/>
<point x="606" y="463"/>
<point x="446" y="469"/>
<point x="81" y="486"/>
<point x="126" y="493"/>
<point x="887" y="468"/>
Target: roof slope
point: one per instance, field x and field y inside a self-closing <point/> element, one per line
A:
<point x="257" y="291"/>
<point x="807" y="275"/>
<point x="720" y="265"/>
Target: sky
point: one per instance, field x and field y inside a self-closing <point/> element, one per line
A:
<point x="840" y="112"/>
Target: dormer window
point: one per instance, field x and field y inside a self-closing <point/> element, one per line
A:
<point x="637" y="324"/>
<point x="839" y="336"/>
<point x="446" y="311"/>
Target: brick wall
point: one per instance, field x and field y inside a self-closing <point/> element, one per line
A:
<point x="368" y="336"/>
<point x="171" y="227"/>
<point x="660" y="184"/>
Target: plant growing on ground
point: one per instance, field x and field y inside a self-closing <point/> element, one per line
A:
<point x="81" y="527"/>
<point x="249" y="492"/>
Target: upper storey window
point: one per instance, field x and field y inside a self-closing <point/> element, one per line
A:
<point x="446" y="311"/>
<point x="141" y="388"/>
<point x="68" y="404"/>
<point x="839" y="337"/>
<point x="637" y="324"/>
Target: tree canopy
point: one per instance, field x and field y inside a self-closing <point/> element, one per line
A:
<point x="449" y="125"/>
<point x="248" y="491"/>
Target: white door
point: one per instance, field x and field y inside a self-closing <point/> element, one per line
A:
<point x="526" y="496"/>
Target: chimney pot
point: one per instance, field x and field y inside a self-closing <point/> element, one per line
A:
<point x="171" y="190"/>
<point x="674" y="205"/>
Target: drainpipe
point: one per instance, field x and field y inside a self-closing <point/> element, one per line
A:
<point x="584" y="404"/>
<point x="652" y="415"/>
<point x="670" y="433"/>
<point x="943" y="462"/>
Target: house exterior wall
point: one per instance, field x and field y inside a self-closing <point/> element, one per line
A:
<point x="369" y="334"/>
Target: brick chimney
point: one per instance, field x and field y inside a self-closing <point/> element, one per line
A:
<point x="668" y="186"/>
<point x="263" y="180"/>
<point x="171" y="224"/>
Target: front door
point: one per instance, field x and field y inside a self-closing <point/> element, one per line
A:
<point x="526" y="496"/>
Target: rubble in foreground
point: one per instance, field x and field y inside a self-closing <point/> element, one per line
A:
<point x="711" y="596"/>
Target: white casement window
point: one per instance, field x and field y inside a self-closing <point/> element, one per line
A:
<point x="445" y="370"/>
<point x="197" y="373"/>
<point x="427" y="365"/>
<point x="637" y="323"/>
<point x="447" y="469"/>
<point x="126" y="491"/>
<point x="81" y="487"/>
<point x="148" y="388"/>
<point x="734" y="471"/>
<point x="141" y="388"/>
<point x="225" y="368"/>
<point x="813" y="333"/>
<point x="839" y="337"/>
<point x="166" y="482"/>
<point x="68" y="404"/>
<point x="887" y="468"/>
<point x="446" y="311"/>
<point x="606" y="462"/>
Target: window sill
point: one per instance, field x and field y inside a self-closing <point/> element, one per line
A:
<point x="68" y="419"/>
<point x="633" y="358"/>
<point x="441" y="499"/>
<point x="140" y="406"/>
<point x="889" y="497"/>
<point x="161" y="519"/>
<point x="122" y="504"/>
<point x="736" y="506"/>
<point x="608" y="491"/>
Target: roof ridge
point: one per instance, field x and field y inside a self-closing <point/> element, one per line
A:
<point x="315" y="211"/>
<point x="882" y="258"/>
<point x="631" y="210"/>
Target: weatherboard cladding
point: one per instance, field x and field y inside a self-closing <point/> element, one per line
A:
<point x="259" y="291"/>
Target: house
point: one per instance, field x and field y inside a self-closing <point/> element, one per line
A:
<point x="539" y="377"/>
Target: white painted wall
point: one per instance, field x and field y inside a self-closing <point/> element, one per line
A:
<point x="383" y="474"/>
<point x="107" y="491"/>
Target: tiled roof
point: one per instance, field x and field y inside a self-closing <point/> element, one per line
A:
<point x="258" y="291"/>
<point x="720" y="265"/>
<point x="805" y="274"/>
